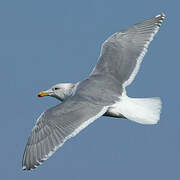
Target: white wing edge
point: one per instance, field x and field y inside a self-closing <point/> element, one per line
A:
<point x="142" y="54"/>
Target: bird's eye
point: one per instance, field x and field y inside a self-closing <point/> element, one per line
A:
<point x="56" y="88"/>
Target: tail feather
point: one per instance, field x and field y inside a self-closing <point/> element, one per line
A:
<point x="140" y="110"/>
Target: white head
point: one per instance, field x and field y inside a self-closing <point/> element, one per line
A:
<point x="60" y="91"/>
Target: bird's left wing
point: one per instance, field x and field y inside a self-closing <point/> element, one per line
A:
<point x="57" y="125"/>
<point x="123" y="52"/>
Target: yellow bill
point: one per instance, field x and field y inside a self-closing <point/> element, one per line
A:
<point x="43" y="93"/>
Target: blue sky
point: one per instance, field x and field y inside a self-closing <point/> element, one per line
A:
<point x="47" y="42"/>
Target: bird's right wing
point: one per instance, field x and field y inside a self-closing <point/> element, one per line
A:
<point x="122" y="53"/>
<point x="57" y="125"/>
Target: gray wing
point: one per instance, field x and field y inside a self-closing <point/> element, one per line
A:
<point x="122" y="53"/>
<point x="57" y="125"/>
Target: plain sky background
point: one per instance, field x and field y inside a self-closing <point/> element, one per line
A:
<point x="47" y="42"/>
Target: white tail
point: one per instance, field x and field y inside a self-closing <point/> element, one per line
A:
<point x="140" y="110"/>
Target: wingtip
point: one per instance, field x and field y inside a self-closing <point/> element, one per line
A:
<point x="24" y="168"/>
<point x="159" y="18"/>
<point x="162" y="15"/>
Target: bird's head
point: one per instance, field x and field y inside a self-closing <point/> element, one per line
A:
<point x="60" y="91"/>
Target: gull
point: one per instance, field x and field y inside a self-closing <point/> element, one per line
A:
<point x="103" y="93"/>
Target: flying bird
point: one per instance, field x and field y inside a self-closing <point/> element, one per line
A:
<point x="103" y="93"/>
